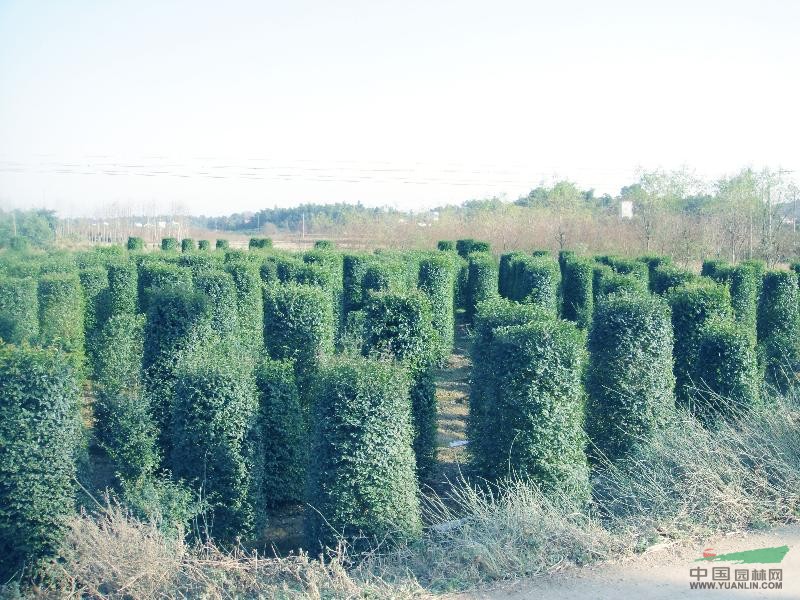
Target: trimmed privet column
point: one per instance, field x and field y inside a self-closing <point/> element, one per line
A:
<point x="536" y="280"/>
<point x="399" y="326"/>
<point x="124" y="424"/>
<point x="19" y="310"/>
<point x="578" y="299"/>
<point x="39" y="439"/>
<point x="629" y="381"/>
<point x="535" y="423"/>
<point x="284" y="439"/>
<point x="362" y="482"/>
<point x="693" y="305"/>
<point x="123" y="295"/>
<point x="482" y="281"/>
<point x="213" y="417"/>
<point x="779" y="327"/>
<point x="61" y="315"/>
<point x="436" y="281"/>
<point x="728" y="377"/>
<point x="299" y="325"/>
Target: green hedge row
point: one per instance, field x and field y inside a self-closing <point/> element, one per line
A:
<point x="259" y="243"/>
<point x="156" y="275"/>
<point x="362" y="482"/>
<point x="19" y="310"/>
<point x="204" y="245"/>
<point x="399" y="326"/>
<point x="39" y="442"/>
<point x="61" y="315"/>
<point x="535" y="423"/>
<point x="299" y="325"/>
<point x="188" y="245"/>
<point x="222" y="244"/>
<point x="482" y="281"/>
<point x="169" y="244"/>
<point x="693" y="305"/>
<point x="577" y="291"/>
<point x="629" y="380"/>
<point x="506" y="273"/>
<point x="536" y="280"/>
<point x="124" y="424"/>
<point x="135" y="244"/>
<point x="123" y="286"/>
<point x="249" y="304"/>
<point x="213" y="416"/>
<point x="666" y="277"/>
<point x="437" y="282"/>
<point x="467" y="246"/>
<point x="446" y="245"/>
<point x="778" y="327"/>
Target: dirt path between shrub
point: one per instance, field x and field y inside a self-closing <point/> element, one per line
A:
<point x="662" y="573"/>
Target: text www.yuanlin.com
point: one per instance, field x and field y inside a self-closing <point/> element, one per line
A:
<point x="735" y="585"/>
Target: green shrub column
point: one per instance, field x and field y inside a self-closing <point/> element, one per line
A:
<point x="436" y="282"/>
<point x="362" y="483"/>
<point x="578" y="299"/>
<point x="779" y="327"/>
<point x="19" y="310"/>
<point x="482" y="281"/>
<point x="399" y="326"/>
<point x="39" y="441"/>
<point x="535" y="423"/>
<point x="61" y="315"/>
<point x="630" y="383"/>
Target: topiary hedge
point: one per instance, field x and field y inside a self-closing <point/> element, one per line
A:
<point x="506" y="273"/>
<point x="536" y="280"/>
<point x="490" y="315"/>
<point x="94" y="282"/>
<point x="213" y="415"/>
<point x="728" y="377"/>
<point x="204" y="245"/>
<point x="324" y="245"/>
<point x="61" y="315"/>
<point x="354" y="267"/>
<point x="188" y="245"/>
<point x="714" y="268"/>
<point x="482" y="281"/>
<point x="745" y="282"/>
<point x="39" y="442"/>
<point x="436" y="281"/>
<point x="299" y="325"/>
<point x="124" y="423"/>
<point x="219" y="288"/>
<point x="362" y="483"/>
<point x="535" y="424"/>
<point x="222" y="244"/>
<point x="384" y="274"/>
<point x="169" y="244"/>
<point x="135" y="244"/>
<point x="284" y="438"/>
<point x="123" y="286"/>
<point x="693" y="305"/>
<point x="249" y="305"/>
<point x="19" y="310"/>
<point x="778" y="327"/>
<point x="399" y="326"/>
<point x="667" y="276"/>
<point x="177" y="322"/>
<point x="259" y="243"/>
<point x="446" y="245"/>
<point x="577" y="292"/>
<point x="158" y="275"/>
<point x="629" y="381"/>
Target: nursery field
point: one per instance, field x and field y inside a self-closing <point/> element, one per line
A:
<point x="381" y="424"/>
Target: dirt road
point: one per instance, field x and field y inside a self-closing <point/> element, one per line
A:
<point x="663" y="574"/>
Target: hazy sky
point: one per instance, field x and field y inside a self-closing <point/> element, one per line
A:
<point x="215" y="107"/>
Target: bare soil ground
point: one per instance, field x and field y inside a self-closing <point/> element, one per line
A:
<point x="661" y="573"/>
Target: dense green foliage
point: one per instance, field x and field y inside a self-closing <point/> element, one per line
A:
<point x="155" y="275"/>
<point x="714" y="268"/>
<point x="61" y="307"/>
<point x="629" y="380"/>
<point x="506" y="273"/>
<point x="124" y="424"/>
<point x="354" y="268"/>
<point x="436" y="281"/>
<point x="490" y="315"/>
<point x="467" y="246"/>
<point x="39" y="439"/>
<point x="177" y="321"/>
<point x="779" y="326"/>
<point x="399" y="326"/>
<point x="535" y="424"/>
<point x="169" y="244"/>
<point x="19" y="310"/>
<point x="188" y="245"/>
<point x="446" y="245"/>
<point x="283" y="437"/>
<point x="299" y="325"/>
<point x="536" y="280"/>
<point x="204" y="245"/>
<point x="728" y="377"/>
<point x="212" y="416"/>
<point x="482" y="281"/>
<point x="219" y="288"/>
<point x="693" y="305"/>
<point x="361" y="475"/>
<point x="666" y="276"/>
<point x="249" y="305"/>
<point x="577" y="293"/>
<point x="745" y="281"/>
<point x="259" y="243"/>
<point x="324" y="245"/>
<point x="222" y="244"/>
<point x="135" y="243"/>
<point x="123" y="286"/>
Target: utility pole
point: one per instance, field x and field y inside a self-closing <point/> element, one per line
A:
<point x="304" y="225"/>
